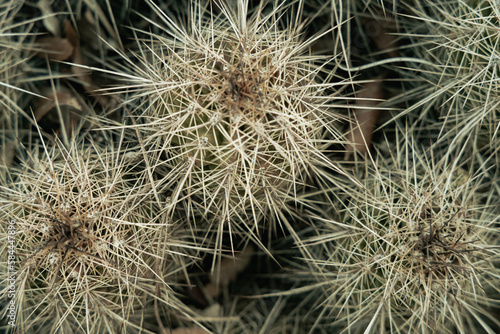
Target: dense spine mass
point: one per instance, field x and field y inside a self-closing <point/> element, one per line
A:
<point x="416" y="251"/>
<point x="90" y="246"/>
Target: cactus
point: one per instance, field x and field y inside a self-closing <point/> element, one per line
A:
<point x="461" y="86"/>
<point x="416" y="252"/>
<point x="91" y="249"/>
<point x="229" y="112"/>
<point x="11" y="44"/>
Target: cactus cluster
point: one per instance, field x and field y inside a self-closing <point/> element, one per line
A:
<point x="237" y="166"/>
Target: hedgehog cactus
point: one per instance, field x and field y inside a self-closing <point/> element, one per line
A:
<point x="461" y="42"/>
<point x="230" y="111"/>
<point x="90" y="248"/>
<point x="416" y="252"/>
